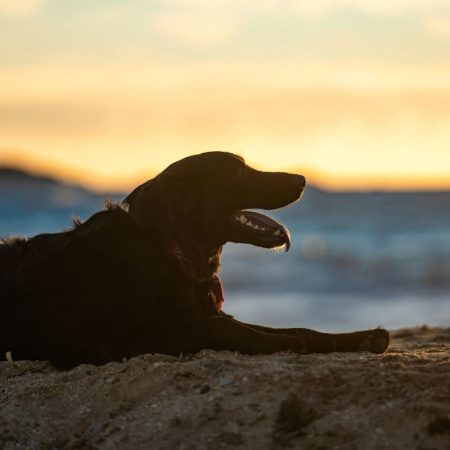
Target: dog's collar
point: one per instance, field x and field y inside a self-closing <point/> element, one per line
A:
<point x="186" y="268"/>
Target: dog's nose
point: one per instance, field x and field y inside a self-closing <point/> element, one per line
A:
<point x="301" y="180"/>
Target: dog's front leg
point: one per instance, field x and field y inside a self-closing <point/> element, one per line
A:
<point x="376" y="340"/>
<point x="223" y="333"/>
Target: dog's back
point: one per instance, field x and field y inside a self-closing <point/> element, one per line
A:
<point x="86" y="294"/>
<point x="24" y="305"/>
<point x="13" y="273"/>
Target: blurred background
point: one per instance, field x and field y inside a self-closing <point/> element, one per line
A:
<point x="97" y="96"/>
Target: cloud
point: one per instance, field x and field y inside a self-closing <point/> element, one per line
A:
<point x="388" y="8"/>
<point x="384" y="7"/>
<point x="439" y="26"/>
<point x="397" y="6"/>
<point x="19" y="7"/>
<point x="229" y="4"/>
<point x="211" y="22"/>
<point x="198" y="28"/>
<point x="317" y="7"/>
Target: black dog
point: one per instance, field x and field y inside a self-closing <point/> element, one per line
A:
<point x="142" y="277"/>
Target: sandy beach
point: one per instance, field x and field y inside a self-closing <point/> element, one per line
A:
<point x="399" y="400"/>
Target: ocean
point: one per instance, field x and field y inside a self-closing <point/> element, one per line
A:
<point x="357" y="260"/>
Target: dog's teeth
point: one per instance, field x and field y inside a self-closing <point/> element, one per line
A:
<point x="277" y="233"/>
<point x="242" y="219"/>
<point x="249" y="223"/>
<point x="256" y="227"/>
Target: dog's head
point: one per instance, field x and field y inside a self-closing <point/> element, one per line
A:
<point x="199" y="203"/>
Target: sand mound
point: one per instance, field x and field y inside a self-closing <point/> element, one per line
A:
<point x="399" y="400"/>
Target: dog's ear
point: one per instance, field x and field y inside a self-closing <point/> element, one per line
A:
<point x="157" y="205"/>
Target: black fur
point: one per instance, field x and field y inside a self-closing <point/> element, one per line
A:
<point x="142" y="277"/>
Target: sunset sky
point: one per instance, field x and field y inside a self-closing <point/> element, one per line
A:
<point x="353" y="93"/>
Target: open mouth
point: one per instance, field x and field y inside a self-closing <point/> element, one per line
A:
<point x="254" y="228"/>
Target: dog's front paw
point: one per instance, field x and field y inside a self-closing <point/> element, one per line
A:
<point x="376" y="341"/>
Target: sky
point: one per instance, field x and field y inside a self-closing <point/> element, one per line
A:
<point x="353" y="93"/>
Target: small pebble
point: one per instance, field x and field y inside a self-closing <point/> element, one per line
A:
<point x="224" y="382"/>
<point x="212" y="364"/>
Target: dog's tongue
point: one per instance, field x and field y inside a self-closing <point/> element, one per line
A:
<point x="216" y="287"/>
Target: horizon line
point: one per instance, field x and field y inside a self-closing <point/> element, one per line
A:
<point x="315" y="178"/>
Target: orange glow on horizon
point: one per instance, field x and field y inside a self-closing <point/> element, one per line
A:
<point x="117" y="182"/>
<point x="357" y="93"/>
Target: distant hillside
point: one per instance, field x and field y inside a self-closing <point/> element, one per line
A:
<point x="14" y="175"/>
<point x="31" y="203"/>
<point x="22" y="190"/>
